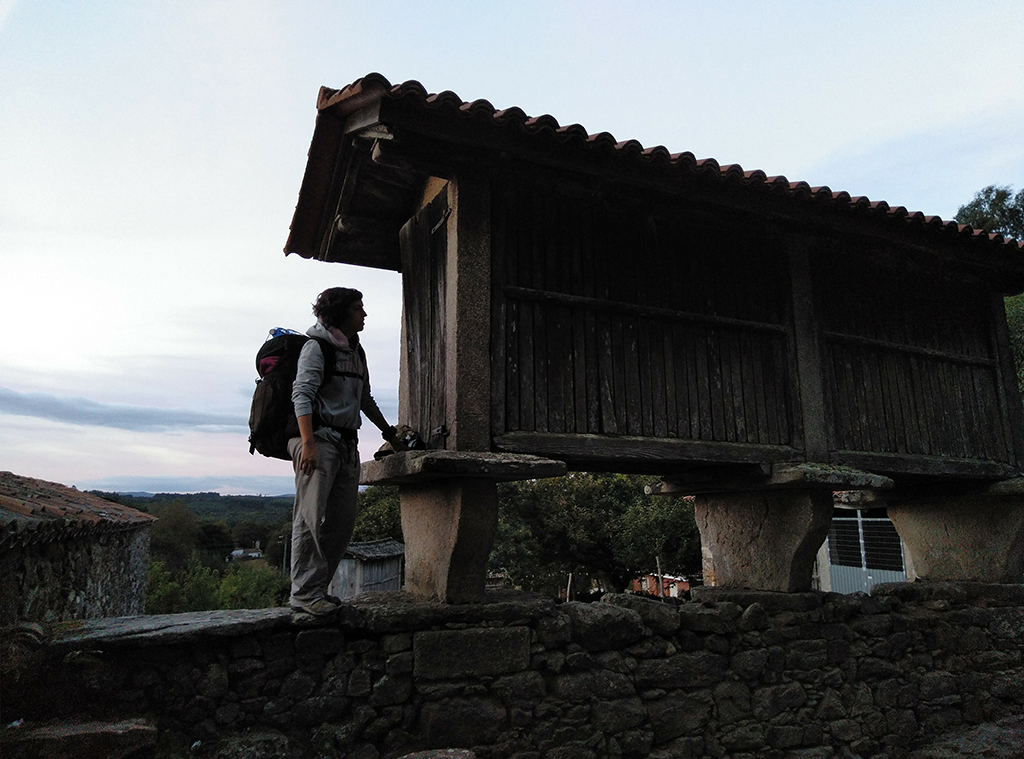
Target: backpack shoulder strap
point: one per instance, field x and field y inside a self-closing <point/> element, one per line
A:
<point x="330" y="357"/>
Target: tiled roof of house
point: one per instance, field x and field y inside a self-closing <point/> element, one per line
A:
<point x="36" y="510"/>
<point x="479" y="124"/>
<point x="375" y="549"/>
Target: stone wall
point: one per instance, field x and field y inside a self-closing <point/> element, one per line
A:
<point x="98" y="574"/>
<point x="729" y="673"/>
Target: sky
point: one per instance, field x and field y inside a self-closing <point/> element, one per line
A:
<point x="151" y="155"/>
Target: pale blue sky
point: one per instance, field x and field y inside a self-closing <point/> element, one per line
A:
<point x="151" y="155"/>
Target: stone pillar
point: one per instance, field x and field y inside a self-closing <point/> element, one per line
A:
<point x="976" y="538"/>
<point x="763" y="540"/>
<point x="449" y="529"/>
<point x="450" y="514"/>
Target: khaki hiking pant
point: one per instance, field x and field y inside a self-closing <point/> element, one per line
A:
<point x="323" y="518"/>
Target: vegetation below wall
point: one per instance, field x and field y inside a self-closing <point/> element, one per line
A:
<point x="600" y="529"/>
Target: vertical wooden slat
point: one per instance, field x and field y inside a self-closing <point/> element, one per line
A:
<point x="503" y="361"/>
<point x="716" y="387"/>
<point x="807" y="349"/>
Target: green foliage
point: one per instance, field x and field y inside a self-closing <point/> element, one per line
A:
<point x="599" y="525"/>
<point x="252" y="585"/>
<point x="245" y="585"/>
<point x="199" y="586"/>
<point x="1015" y="323"/>
<point x="995" y="209"/>
<point x="173" y="537"/>
<point x="247" y="533"/>
<point x="163" y="593"/>
<point x="380" y="516"/>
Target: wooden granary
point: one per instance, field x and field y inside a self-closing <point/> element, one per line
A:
<point x="617" y="308"/>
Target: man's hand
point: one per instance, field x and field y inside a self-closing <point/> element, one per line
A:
<point x="307" y="461"/>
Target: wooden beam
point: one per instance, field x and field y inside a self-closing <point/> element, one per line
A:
<point x="937" y="467"/>
<point x="667" y="453"/>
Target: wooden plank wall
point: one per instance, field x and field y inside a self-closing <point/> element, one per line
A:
<point x="424" y="260"/>
<point x="909" y="362"/>
<point x="622" y="320"/>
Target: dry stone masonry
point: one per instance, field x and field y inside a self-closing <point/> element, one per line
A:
<point x="728" y="673"/>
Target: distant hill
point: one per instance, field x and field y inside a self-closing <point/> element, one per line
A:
<point x="272" y="509"/>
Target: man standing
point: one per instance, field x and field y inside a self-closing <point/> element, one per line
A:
<point x="331" y="388"/>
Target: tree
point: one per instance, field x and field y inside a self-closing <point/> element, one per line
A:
<point x="173" y="537"/>
<point x="247" y="533"/>
<point x="380" y="515"/>
<point x="597" y="525"/>
<point x="252" y="585"/>
<point x="996" y="209"/>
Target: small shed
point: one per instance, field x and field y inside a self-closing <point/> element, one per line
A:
<point x="369" y="567"/>
<point x="630" y="309"/>
<point x="65" y="554"/>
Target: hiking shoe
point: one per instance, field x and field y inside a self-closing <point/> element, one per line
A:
<point x="320" y="608"/>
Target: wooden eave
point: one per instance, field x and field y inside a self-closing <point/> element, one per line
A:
<point x="374" y="146"/>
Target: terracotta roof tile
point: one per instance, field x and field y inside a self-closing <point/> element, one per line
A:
<point x="376" y="87"/>
<point x="33" y="510"/>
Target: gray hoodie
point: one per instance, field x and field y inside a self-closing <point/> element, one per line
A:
<point x="335" y="404"/>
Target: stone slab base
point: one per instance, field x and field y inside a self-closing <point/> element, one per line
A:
<point x="970" y="537"/>
<point x="765" y="540"/>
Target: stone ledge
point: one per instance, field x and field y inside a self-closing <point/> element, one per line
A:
<point x="412" y="467"/>
<point x="374" y="612"/>
<point x="773" y="477"/>
<point x="919" y="591"/>
<point x="772" y="600"/>
<point x="161" y="629"/>
<point x="65" y="738"/>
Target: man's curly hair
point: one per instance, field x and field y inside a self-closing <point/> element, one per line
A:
<point x="332" y="304"/>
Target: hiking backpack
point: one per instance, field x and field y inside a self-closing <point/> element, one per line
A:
<point x="272" y="415"/>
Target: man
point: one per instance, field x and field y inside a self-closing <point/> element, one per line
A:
<point x="328" y="401"/>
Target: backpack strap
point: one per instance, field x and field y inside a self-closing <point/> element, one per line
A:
<point x="330" y="358"/>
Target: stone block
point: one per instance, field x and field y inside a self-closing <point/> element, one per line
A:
<point x="773" y="700"/>
<point x="732" y="702"/>
<point x="675" y="717"/>
<point x="701" y="619"/>
<point x="615" y="716"/>
<point x="462" y="722"/>
<point x="749" y="664"/>
<point x="321" y="640"/>
<point x="688" y="670"/>
<point x="520" y="687"/>
<point x="661" y="617"/>
<point x="449" y="654"/>
<point x="580" y="687"/>
<point x="598" y="627"/>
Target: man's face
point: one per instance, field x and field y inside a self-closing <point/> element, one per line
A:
<point x="354" y="319"/>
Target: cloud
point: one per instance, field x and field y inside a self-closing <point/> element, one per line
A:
<point x="231" y="485"/>
<point x="83" y="411"/>
<point x="6" y="6"/>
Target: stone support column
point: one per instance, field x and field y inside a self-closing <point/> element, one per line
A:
<point x="763" y="540"/>
<point x="976" y="538"/>
<point x="450" y="514"/>
<point x="449" y="529"/>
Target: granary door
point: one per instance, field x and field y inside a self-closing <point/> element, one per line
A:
<point x="424" y="240"/>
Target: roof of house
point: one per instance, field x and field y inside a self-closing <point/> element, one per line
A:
<point x="375" y="142"/>
<point x="375" y="549"/>
<point x="36" y="510"/>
